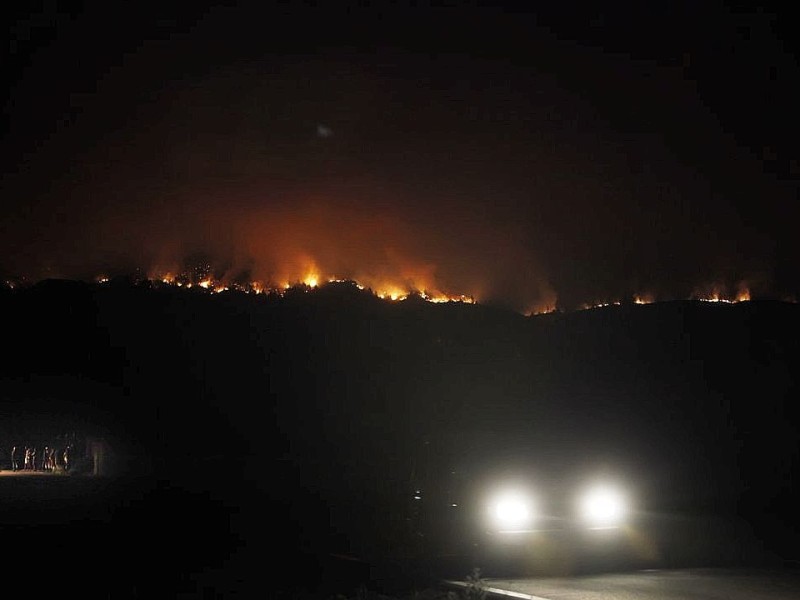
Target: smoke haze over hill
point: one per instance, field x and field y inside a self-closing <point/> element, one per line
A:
<point x="526" y="159"/>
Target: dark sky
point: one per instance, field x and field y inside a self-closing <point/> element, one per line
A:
<point x="524" y="157"/>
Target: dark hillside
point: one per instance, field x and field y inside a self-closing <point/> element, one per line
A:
<point x="306" y="421"/>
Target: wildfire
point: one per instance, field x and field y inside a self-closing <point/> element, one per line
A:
<point x="601" y="305"/>
<point x="715" y="298"/>
<point x="533" y="312"/>
<point x="441" y="298"/>
<point x="408" y="285"/>
<point x="310" y="280"/>
<point x="546" y="304"/>
<point x="392" y="294"/>
<point x="348" y="281"/>
<point x="713" y="294"/>
<point x="718" y="293"/>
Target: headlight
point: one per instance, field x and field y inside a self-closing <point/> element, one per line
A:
<point x="603" y="506"/>
<point x="511" y="511"/>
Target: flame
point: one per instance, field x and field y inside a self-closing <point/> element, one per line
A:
<point x="441" y="298"/>
<point x="393" y="294"/>
<point x="743" y="295"/>
<point x="710" y="293"/>
<point x="311" y="273"/>
<point x="163" y="276"/>
<point x="311" y="277"/>
<point x="601" y="305"/>
<point x="714" y="298"/>
<point x="542" y="308"/>
<point x="721" y="294"/>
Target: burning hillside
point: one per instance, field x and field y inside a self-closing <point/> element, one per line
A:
<point x="202" y="277"/>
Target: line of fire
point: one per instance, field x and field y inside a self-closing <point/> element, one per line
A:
<point x="201" y="279"/>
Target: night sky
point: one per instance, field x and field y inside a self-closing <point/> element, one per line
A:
<point x="528" y="158"/>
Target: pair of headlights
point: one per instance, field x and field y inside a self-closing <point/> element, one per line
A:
<point x="598" y="507"/>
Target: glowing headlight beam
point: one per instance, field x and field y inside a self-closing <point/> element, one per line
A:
<point x="511" y="512"/>
<point x="603" y="506"/>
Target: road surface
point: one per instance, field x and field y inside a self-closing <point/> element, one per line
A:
<point x="678" y="584"/>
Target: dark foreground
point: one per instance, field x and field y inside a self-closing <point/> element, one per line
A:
<point x="148" y="538"/>
<point x="144" y="537"/>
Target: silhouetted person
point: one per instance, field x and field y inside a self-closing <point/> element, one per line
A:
<point x="14" y="458"/>
<point x="66" y="458"/>
<point x="52" y="459"/>
<point x="28" y="461"/>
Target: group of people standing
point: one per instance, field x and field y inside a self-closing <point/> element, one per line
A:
<point x="28" y="458"/>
